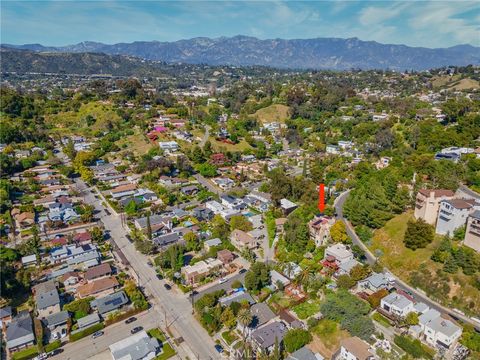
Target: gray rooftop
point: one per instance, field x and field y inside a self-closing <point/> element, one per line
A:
<point x="5" y="311"/>
<point x="377" y="280"/>
<point x="135" y="347"/>
<point x="304" y="353"/>
<point x="266" y="335"/>
<point x="88" y="320"/>
<point x="110" y="302"/>
<point x="46" y="299"/>
<point x="57" y="318"/>
<point x="239" y="297"/>
<point x="20" y="331"/>
<point x="443" y="326"/>
<point x="397" y="300"/>
<point x="261" y="314"/>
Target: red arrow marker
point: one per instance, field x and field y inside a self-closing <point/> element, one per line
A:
<point x="321" y="197"/>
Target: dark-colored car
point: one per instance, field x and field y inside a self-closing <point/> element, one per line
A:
<point x="129" y="238"/>
<point x="149" y="263"/>
<point x="136" y="329"/>
<point x="97" y="334"/>
<point x="219" y="348"/>
<point x="242" y="271"/>
<point x="130" y="320"/>
<point x="55" y="352"/>
<point x="107" y="212"/>
<point x="167" y="286"/>
<point x="159" y="276"/>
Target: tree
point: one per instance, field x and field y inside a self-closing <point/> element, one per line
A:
<point x="338" y="232"/>
<point x="96" y="234"/>
<point x="295" y="339"/>
<point x="240" y="222"/>
<point x="207" y="170"/>
<point x="411" y="319"/>
<point x="360" y="272"/>
<point x="418" y="234"/>
<point x="228" y="318"/>
<point x="220" y="229"/>
<point x="131" y="208"/>
<point x="192" y="242"/>
<point x="345" y="282"/>
<point x="296" y="234"/>
<point x="149" y="227"/>
<point x="257" y="277"/>
<point x="236" y="284"/>
<point x="87" y="212"/>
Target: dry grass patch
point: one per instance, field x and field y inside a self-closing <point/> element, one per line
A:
<point x="276" y="112"/>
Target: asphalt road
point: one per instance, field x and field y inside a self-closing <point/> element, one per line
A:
<point x="399" y="284"/>
<point x="88" y="347"/>
<point x="170" y="304"/>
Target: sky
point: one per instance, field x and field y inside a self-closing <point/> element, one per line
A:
<point x="414" y="23"/>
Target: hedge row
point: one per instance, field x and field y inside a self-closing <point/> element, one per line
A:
<point x="25" y="354"/>
<point x="85" y="332"/>
<point x="53" y="346"/>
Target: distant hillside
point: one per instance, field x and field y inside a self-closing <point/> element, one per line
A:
<point x="22" y="61"/>
<point x="319" y="53"/>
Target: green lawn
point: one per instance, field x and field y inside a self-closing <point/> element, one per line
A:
<point x="381" y="319"/>
<point x="306" y="309"/>
<point x="25" y="354"/>
<point x="327" y="336"/>
<point x="168" y="351"/>
<point x="270" y="223"/>
<point x="229" y="336"/>
<point x="388" y="243"/>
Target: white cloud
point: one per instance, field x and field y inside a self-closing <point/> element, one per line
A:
<point x="372" y="15"/>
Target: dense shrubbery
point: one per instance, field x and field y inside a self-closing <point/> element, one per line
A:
<point x="412" y="347"/>
<point x="85" y="332"/>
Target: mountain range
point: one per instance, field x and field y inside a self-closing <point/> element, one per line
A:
<point x="318" y="53"/>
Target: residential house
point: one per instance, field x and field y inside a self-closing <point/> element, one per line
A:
<point x="291" y="321"/>
<point x="136" y="347"/>
<point x="237" y="296"/>
<point x="29" y="260"/>
<point x="171" y="181"/>
<point x="287" y="206"/>
<point x="332" y="149"/>
<point x="261" y="314"/>
<point x="200" y="270"/>
<point x="159" y="224"/>
<point x="109" y="303"/>
<point x="265" y="337"/>
<point x="305" y="353"/>
<point x="279" y="224"/>
<point x="453" y="214"/>
<point x="23" y="220"/>
<point x="20" y="333"/>
<point x="242" y="240"/>
<point x="277" y="279"/>
<point x="73" y="254"/>
<point x="397" y="304"/>
<point x="345" y="267"/>
<point x="100" y="287"/>
<point x="472" y="233"/>
<point x="376" y="282"/>
<point x="5" y="317"/>
<point x="166" y="240"/>
<point x="212" y="243"/>
<point x="427" y="204"/>
<point x="339" y="253"/>
<point x="223" y="183"/>
<point x="70" y="279"/>
<point x="383" y="162"/>
<point x="218" y="159"/>
<point x="203" y="214"/>
<point x="354" y="348"/>
<point x="123" y="191"/>
<point x="436" y="330"/>
<point x="98" y="272"/>
<point x="57" y="324"/>
<point x="225" y="256"/>
<point x="47" y="303"/>
<point x="87" y="321"/>
<point x="189" y="190"/>
<point x="232" y="203"/>
<point x="319" y="229"/>
<point x="168" y="146"/>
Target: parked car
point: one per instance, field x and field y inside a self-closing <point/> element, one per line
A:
<point x="136" y="329"/>
<point x="97" y="334"/>
<point x="159" y="277"/>
<point x="130" y="320"/>
<point x="107" y="212"/>
<point x="242" y="271"/>
<point x="149" y="263"/>
<point x="222" y="280"/>
<point x="54" y="352"/>
<point x="219" y="348"/>
<point x="129" y="238"/>
<point x="167" y="286"/>
<point x="41" y="356"/>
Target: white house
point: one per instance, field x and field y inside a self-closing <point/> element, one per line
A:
<point x="339" y="252"/>
<point x="453" y="214"/>
<point x="354" y="348"/>
<point x="443" y="332"/>
<point x="397" y="304"/>
<point x="168" y="146"/>
<point x="135" y="347"/>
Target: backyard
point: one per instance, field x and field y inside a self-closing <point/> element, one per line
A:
<point x="326" y="337"/>
<point x="168" y="351"/>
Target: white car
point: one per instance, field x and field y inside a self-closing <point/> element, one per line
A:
<point x="222" y="280"/>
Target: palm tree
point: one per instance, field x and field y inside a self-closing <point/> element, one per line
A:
<point x="244" y="318"/>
